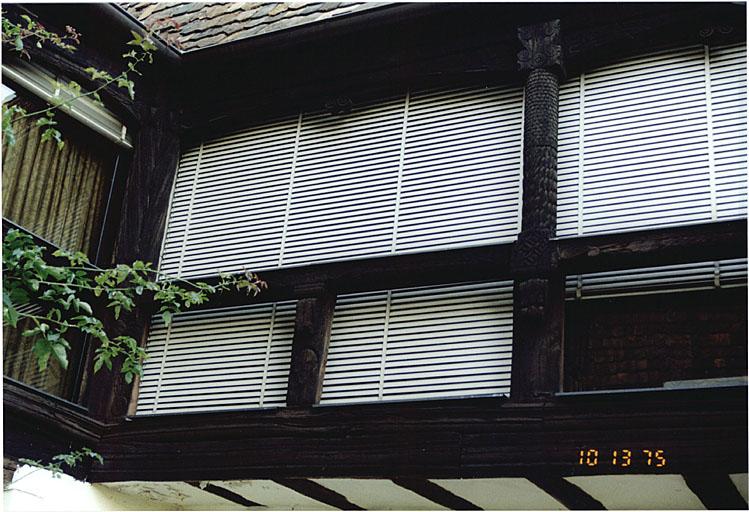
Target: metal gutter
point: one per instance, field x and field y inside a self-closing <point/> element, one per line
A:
<point x="126" y="21"/>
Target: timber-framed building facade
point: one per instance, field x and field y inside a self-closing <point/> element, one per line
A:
<point x="505" y="247"/>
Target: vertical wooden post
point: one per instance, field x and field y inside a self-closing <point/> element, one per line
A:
<point x="142" y="220"/>
<point x="538" y="292"/>
<point x="309" y="353"/>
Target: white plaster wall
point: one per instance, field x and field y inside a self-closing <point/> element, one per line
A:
<point x="38" y="490"/>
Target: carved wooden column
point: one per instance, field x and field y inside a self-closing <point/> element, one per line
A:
<point x="539" y="288"/>
<point x="309" y="352"/>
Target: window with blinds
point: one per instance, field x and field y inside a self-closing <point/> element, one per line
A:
<point x="217" y="360"/>
<point x="423" y="171"/>
<point x="671" y="278"/>
<point x="434" y="342"/>
<point x="654" y="141"/>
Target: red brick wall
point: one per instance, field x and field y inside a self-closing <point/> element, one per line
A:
<point x="643" y="341"/>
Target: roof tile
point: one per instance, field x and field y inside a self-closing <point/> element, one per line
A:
<point x="211" y="23"/>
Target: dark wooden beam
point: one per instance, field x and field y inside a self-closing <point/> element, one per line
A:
<point x="466" y="438"/>
<point x="142" y="221"/>
<point x="566" y="493"/>
<point x="490" y="262"/>
<point x="716" y="491"/>
<point x="662" y="246"/>
<point x="538" y="293"/>
<point x="317" y="492"/>
<point x="225" y="493"/>
<point x="435" y="493"/>
<point x="309" y="353"/>
<point x="39" y="426"/>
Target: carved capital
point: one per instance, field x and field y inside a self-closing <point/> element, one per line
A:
<point x="533" y="254"/>
<point x="542" y="47"/>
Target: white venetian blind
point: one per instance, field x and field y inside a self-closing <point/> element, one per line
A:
<point x="671" y="278"/>
<point x="221" y="359"/>
<point x="654" y="141"/>
<point x="421" y="171"/>
<point x="433" y="342"/>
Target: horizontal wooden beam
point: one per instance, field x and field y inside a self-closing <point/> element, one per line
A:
<point x="566" y="493"/>
<point x="464" y="438"/>
<point x="716" y="491"/>
<point x="225" y="493"/>
<point x="379" y="273"/>
<point x="594" y="253"/>
<point x="39" y="426"/>
<point x="649" y="248"/>
<point x="317" y="492"/>
<point x="435" y="493"/>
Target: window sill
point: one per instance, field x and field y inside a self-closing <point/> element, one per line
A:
<point x="677" y="385"/>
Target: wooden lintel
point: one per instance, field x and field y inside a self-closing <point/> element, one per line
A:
<point x="484" y="263"/>
<point x="663" y="246"/>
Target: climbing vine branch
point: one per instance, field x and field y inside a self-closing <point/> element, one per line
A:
<point x="65" y="295"/>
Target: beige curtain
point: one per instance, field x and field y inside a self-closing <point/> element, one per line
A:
<point x="60" y="196"/>
<point x="57" y="194"/>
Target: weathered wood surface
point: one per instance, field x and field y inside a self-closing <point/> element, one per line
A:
<point x="648" y="248"/>
<point x="309" y="353"/>
<point x="428" y="439"/>
<point x="379" y="273"/>
<point x="38" y="426"/>
<point x="715" y="490"/>
<point x="538" y="291"/>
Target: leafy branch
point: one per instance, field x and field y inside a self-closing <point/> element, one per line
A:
<point x="65" y="294"/>
<point x="69" y="459"/>
<point x="14" y="36"/>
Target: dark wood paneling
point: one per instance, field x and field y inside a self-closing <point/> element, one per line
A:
<point x="432" y="439"/>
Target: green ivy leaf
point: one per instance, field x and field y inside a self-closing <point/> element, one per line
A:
<point x="85" y="306"/>
<point x="10" y="315"/>
<point x="42" y="351"/>
<point x="61" y="354"/>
